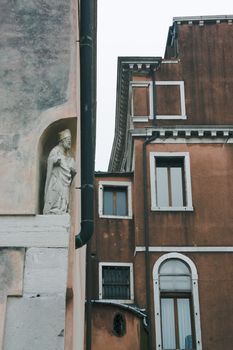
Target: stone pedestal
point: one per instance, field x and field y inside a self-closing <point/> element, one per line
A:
<point x="33" y="276"/>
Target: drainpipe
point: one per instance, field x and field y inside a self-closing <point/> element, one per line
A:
<point x="146" y="225"/>
<point x="147" y="241"/>
<point x="88" y="10"/>
<point x="88" y="94"/>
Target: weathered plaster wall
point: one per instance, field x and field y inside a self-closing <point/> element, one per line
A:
<point x="35" y="56"/>
<point x="39" y="96"/>
<point x="37" y="87"/>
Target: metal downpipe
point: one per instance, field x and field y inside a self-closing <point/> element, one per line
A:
<point x="88" y="15"/>
<point x="147" y="241"/>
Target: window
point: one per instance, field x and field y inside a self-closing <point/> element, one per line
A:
<point x="116" y="282"/>
<point x="169" y="100"/>
<point x="115" y="199"/>
<point x="170" y="181"/>
<point x="177" y="316"/>
<point x="175" y="299"/>
<point x="119" y="325"/>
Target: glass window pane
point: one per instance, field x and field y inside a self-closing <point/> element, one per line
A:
<point x="121" y="203"/>
<point x="175" y="275"/>
<point x="162" y="187"/>
<point x="174" y="267"/>
<point x="175" y="283"/>
<point x="184" y="323"/>
<point x="108" y="202"/>
<point x="177" y="187"/>
<point x="168" y="323"/>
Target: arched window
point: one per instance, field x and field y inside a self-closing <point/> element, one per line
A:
<point x="177" y="317"/>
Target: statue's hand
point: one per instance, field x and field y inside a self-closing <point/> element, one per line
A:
<point x="73" y="172"/>
<point x="58" y="162"/>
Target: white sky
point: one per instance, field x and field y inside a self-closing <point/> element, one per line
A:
<point x="134" y="28"/>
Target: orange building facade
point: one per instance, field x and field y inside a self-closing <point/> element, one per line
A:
<point x="161" y="254"/>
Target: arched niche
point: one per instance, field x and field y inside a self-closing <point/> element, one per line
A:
<point x="48" y="140"/>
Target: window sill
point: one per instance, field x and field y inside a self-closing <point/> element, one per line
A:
<point x="159" y="117"/>
<point x="171" y="117"/>
<point x="114" y="217"/>
<point x="117" y="301"/>
<point x="172" y="209"/>
<point x="140" y="119"/>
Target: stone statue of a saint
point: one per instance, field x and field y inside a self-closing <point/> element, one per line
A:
<point x="60" y="172"/>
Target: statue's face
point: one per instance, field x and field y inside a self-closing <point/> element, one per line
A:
<point x="66" y="142"/>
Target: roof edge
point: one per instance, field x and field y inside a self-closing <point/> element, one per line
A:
<point x="209" y="18"/>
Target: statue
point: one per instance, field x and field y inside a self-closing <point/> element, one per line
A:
<point x="60" y="172"/>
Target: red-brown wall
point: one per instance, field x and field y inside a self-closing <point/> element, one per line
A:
<point x="204" y="63"/>
<point x="210" y="223"/>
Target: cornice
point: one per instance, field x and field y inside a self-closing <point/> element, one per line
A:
<point x="200" y="131"/>
<point x="201" y="20"/>
<point x="126" y="66"/>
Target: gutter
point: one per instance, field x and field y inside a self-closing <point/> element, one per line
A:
<point x="88" y="19"/>
<point x="147" y="240"/>
<point x="146" y="223"/>
<point x="88" y="95"/>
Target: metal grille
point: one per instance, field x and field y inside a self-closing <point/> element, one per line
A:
<point x="116" y="282"/>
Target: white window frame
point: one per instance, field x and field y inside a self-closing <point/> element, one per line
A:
<point x="149" y="84"/>
<point x="116" y="184"/>
<point x="195" y="298"/>
<point x="179" y="83"/>
<point x="187" y="180"/>
<point x="127" y="301"/>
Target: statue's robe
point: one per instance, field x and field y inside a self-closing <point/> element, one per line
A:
<point x="58" y="180"/>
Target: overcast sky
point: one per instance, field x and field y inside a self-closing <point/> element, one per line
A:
<point x="134" y="28"/>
